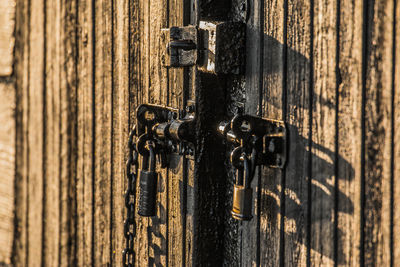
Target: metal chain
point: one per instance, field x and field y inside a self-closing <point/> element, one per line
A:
<point x="128" y="254"/>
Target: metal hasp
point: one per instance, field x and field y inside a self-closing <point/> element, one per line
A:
<point x="215" y="47"/>
<point x="161" y="131"/>
<point x="266" y="136"/>
<point x="257" y="141"/>
<point x="171" y="129"/>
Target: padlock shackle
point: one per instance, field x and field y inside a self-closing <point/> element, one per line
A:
<point x="246" y="171"/>
<point x="239" y="177"/>
<point x="145" y="162"/>
<point x="152" y="156"/>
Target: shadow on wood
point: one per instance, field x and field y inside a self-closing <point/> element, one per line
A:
<point x="310" y="172"/>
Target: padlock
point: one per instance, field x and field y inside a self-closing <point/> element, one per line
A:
<point x="242" y="193"/>
<point x="148" y="185"/>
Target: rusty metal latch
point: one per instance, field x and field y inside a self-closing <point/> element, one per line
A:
<point x="215" y="47"/>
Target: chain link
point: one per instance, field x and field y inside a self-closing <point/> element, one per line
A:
<point x="128" y="254"/>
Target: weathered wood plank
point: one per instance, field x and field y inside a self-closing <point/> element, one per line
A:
<point x="377" y="114"/>
<point x="103" y="74"/>
<point x="20" y="243"/>
<point x="176" y="215"/>
<point x="7" y="166"/>
<point x="158" y="86"/>
<point x="298" y="84"/>
<point x="175" y="89"/>
<point x="349" y="133"/>
<point x="143" y="17"/>
<point x="52" y="111"/>
<point x="85" y="135"/>
<point x="190" y="246"/>
<point x="190" y="180"/>
<point x="68" y="139"/>
<point x="250" y="235"/>
<point x="7" y="40"/>
<point x="396" y="139"/>
<point x="120" y="124"/>
<point x="36" y="133"/>
<point x="323" y="135"/>
<point x="136" y="90"/>
<point x="272" y="90"/>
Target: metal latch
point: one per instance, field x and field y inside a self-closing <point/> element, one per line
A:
<point x="216" y="47"/>
<point x="257" y="141"/>
<point x="252" y="134"/>
<point x="170" y="129"/>
<point x="161" y="131"/>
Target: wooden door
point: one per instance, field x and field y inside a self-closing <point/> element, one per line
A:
<point x="329" y="69"/>
<point x="82" y="68"/>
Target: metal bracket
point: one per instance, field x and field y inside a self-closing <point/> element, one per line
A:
<point x="215" y="47"/>
<point x="180" y="46"/>
<point x="171" y="128"/>
<point x="267" y="136"/>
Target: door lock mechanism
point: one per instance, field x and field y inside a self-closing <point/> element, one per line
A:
<point x="160" y="131"/>
<point x="258" y="142"/>
<point x="170" y="129"/>
<point x="215" y="47"/>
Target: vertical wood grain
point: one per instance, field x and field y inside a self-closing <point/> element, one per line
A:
<point x="158" y="85"/>
<point x="85" y="134"/>
<point x="52" y="115"/>
<point x="7" y="38"/>
<point x="323" y="134"/>
<point x="191" y="181"/>
<point x="272" y="90"/>
<point x="20" y="242"/>
<point x="142" y="249"/>
<point x="190" y="245"/>
<point x="349" y="133"/>
<point x="82" y="68"/>
<point x="69" y="134"/>
<point x="136" y="95"/>
<point x="377" y="114"/>
<point x="7" y="166"/>
<point x="120" y="123"/>
<point x="298" y="84"/>
<point x="250" y="235"/>
<point x="103" y="75"/>
<point x="396" y="139"/>
<point x="176" y="215"/>
<point x="36" y="136"/>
